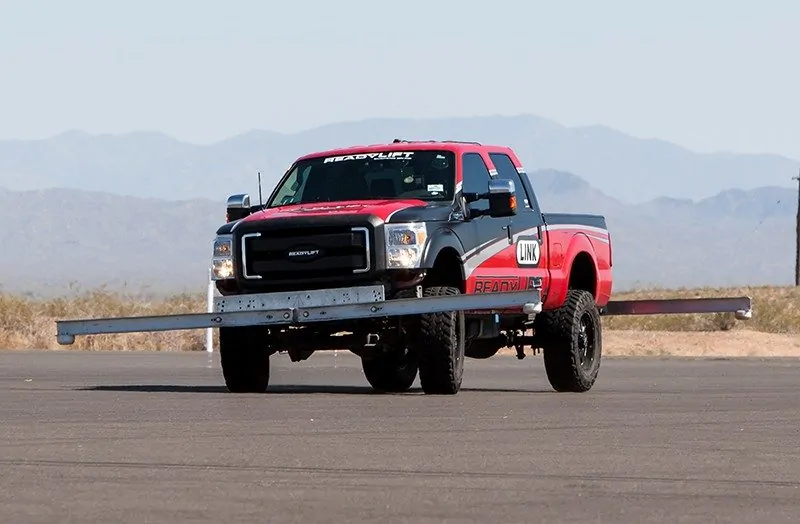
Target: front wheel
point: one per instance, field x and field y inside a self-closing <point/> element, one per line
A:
<point x="244" y="358"/>
<point x="572" y="343"/>
<point x="391" y="372"/>
<point x="441" y="347"/>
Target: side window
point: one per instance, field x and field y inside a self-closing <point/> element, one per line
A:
<point x="506" y="169"/>
<point x="476" y="178"/>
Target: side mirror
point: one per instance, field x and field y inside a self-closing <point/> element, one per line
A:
<point x="238" y="207"/>
<point x="502" y="198"/>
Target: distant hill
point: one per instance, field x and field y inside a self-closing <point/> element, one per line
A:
<point x="66" y="236"/>
<point x="632" y="170"/>
<point x="57" y="236"/>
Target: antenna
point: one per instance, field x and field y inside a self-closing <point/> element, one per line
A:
<point x="260" y="202"/>
<point x="797" y="240"/>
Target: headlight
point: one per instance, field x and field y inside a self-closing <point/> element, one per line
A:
<point x="222" y="258"/>
<point x="404" y="245"/>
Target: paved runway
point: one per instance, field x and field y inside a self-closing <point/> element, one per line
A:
<point x="132" y="437"/>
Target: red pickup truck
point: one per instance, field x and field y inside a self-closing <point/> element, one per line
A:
<point x="412" y="255"/>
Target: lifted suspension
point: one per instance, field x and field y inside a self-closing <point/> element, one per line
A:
<point x="518" y="341"/>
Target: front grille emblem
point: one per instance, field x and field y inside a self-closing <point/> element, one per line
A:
<point x="303" y="254"/>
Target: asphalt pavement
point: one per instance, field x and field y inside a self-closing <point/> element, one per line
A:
<point x="155" y="437"/>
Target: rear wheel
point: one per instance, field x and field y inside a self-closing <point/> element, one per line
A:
<point x="244" y="358"/>
<point x="441" y="347"/>
<point x="393" y="368"/>
<point x="572" y="343"/>
<point x="393" y="371"/>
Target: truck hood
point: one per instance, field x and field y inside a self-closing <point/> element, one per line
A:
<point x="382" y="209"/>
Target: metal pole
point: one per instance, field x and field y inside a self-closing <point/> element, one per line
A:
<point x="210" y="309"/>
<point x="797" y="240"/>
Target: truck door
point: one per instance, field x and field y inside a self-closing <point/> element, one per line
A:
<point x="527" y="257"/>
<point x="484" y="238"/>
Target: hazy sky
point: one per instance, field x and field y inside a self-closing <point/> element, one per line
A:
<point x="707" y="74"/>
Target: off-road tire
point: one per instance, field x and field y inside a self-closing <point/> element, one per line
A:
<point x="392" y="372"/>
<point x="395" y="369"/>
<point x="572" y="343"/>
<point x="244" y="358"/>
<point x="440" y="342"/>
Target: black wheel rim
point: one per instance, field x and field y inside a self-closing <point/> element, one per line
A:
<point x="586" y="341"/>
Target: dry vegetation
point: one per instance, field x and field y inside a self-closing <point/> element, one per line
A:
<point x="30" y="324"/>
<point x="774" y="330"/>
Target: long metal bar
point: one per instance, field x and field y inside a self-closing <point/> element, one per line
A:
<point x="742" y="307"/>
<point x="67" y="329"/>
<point x="527" y="301"/>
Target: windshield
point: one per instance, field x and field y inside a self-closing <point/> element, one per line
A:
<point x="419" y="174"/>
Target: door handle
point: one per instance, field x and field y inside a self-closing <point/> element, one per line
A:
<point x="508" y="234"/>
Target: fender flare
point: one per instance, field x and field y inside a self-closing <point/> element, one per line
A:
<point x="440" y="239"/>
<point x="578" y="243"/>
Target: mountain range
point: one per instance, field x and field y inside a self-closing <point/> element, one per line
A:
<point x="57" y="238"/>
<point x="140" y="209"/>
<point x="142" y="164"/>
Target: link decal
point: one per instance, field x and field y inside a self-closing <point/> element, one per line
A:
<point x="528" y="253"/>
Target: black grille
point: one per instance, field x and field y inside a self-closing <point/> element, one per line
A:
<point x="306" y="253"/>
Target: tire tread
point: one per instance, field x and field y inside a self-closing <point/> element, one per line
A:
<point x="558" y="331"/>
<point x="441" y="347"/>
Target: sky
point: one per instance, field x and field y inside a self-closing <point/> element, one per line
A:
<point x="709" y="75"/>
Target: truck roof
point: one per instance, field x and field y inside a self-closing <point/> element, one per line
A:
<point x="401" y="145"/>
